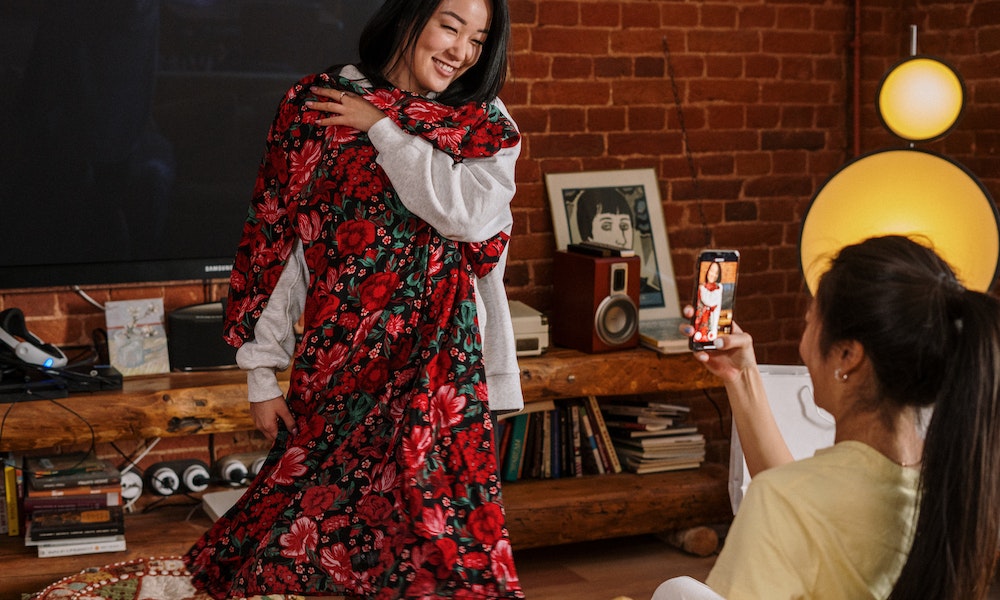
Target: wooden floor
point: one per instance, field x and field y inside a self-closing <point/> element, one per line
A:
<point x="603" y="570"/>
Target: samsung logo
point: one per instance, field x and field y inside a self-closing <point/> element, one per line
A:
<point x="217" y="268"/>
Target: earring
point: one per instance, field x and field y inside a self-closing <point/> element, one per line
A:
<point x="838" y="375"/>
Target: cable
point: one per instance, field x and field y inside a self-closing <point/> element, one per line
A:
<point x="93" y="434"/>
<point x="718" y="410"/>
<point x="687" y="145"/>
<point x="87" y="297"/>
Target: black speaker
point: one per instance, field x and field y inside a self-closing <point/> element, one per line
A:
<point x="194" y="341"/>
<point x="596" y="302"/>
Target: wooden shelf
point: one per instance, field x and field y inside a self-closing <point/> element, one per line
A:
<point x="215" y="401"/>
<point x="546" y="512"/>
<point x="539" y="512"/>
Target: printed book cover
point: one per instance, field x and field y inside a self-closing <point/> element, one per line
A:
<point x="45" y="474"/>
<point x="83" y="546"/>
<point x="77" y="523"/>
<point x="51" y="465"/>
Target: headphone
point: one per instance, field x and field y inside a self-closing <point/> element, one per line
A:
<point x="14" y="333"/>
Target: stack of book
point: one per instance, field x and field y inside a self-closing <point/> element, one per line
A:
<point x="652" y="436"/>
<point x="550" y="440"/>
<point x="72" y="504"/>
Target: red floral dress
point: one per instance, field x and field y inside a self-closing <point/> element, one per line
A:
<point x="390" y="487"/>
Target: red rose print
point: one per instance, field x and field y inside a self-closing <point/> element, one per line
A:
<point x="377" y="289"/>
<point x="374" y="375"/>
<point x="354" y="236"/>
<point x="317" y="500"/>
<point x="486" y="523"/>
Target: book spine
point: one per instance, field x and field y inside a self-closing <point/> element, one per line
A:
<point x="515" y="452"/>
<point x="73" y="491"/>
<point x="52" y="550"/>
<point x="546" y="445"/>
<point x="602" y="430"/>
<point x="88" y="502"/>
<point x="574" y="414"/>
<point x="3" y="505"/>
<point x="533" y="450"/>
<point x="11" y="500"/>
<point x="556" y="448"/>
<point x="72" y="481"/>
<point x="78" y="532"/>
<point x="588" y="430"/>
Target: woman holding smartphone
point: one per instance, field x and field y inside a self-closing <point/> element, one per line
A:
<point x="887" y="512"/>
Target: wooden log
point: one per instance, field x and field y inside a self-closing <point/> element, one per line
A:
<point x="573" y="509"/>
<point x="215" y="401"/>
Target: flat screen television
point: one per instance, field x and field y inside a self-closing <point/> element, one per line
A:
<point x="131" y="130"/>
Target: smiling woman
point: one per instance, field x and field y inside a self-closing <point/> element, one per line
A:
<point x="380" y="221"/>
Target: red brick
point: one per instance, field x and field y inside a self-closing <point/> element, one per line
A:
<point x="601" y="14"/>
<point x="559" y="13"/>
<point x="566" y="40"/>
<point x="570" y="93"/>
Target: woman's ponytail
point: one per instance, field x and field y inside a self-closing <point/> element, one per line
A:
<point x="958" y="528"/>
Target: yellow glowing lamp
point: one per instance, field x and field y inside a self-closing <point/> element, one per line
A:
<point x="920" y="98"/>
<point x="907" y="192"/>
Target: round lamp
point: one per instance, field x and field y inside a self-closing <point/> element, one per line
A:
<point x="920" y="99"/>
<point x="906" y="192"/>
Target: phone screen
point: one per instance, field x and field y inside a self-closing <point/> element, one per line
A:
<point x="714" y="295"/>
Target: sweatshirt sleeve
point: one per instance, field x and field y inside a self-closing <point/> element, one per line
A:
<point x="503" y="375"/>
<point x="273" y="343"/>
<point x="466" y="201"/>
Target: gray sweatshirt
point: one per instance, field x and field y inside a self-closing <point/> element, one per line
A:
<point x="466" y="202"/>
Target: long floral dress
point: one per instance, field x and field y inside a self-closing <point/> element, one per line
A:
<point x="389" y="489"/>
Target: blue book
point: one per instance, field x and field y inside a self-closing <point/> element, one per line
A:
<point x="514" y="459"/>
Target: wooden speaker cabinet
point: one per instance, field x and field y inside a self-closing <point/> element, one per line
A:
<point x="595" y="304"/>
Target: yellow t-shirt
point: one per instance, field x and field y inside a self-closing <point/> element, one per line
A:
<point x="838" y="525"/>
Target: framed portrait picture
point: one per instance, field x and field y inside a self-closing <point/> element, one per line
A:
<point x="621" y="208"/>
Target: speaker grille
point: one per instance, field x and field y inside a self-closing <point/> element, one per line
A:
<point x="616" y="319"/>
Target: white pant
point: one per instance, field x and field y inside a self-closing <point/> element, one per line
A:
<point x="684" y="588"/>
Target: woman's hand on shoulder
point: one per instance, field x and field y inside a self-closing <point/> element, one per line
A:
<point x="733" y="354"/>
<point x="346" y="109"/>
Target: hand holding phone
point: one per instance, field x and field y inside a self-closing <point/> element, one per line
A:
<point x="714" y="296"/>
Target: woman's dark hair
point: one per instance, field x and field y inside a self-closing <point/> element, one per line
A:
<point x="933" y="343"/>
<point x="597" y="201"/>
<point x="394" y="30"/>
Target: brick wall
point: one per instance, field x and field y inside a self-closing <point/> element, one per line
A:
<point x="742" y="107"/>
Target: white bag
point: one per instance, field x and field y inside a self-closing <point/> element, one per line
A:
<point x="805" y="427"/>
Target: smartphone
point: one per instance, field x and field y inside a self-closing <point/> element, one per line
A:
<point x="714" y="295"/>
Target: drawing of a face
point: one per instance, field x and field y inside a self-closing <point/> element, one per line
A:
<point x="605" y="217"/>
<point x="613" y="229"/>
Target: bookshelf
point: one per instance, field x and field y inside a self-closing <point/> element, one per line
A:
<point x="539" y="512"/>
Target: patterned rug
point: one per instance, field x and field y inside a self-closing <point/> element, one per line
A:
<point x="162" y="578"/>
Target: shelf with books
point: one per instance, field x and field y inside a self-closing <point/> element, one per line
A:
<point x="178" y="404"/>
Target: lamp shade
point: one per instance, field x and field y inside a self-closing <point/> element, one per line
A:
<point x="920" y="99"/>
<point x="905" y="192"/>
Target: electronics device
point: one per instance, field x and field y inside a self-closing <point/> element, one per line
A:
<point x="596" y="301"/>
<point x="194" y="338"/>
<point x="177" y="476"/>
<point x="714" y="297"/>
<point x="155" y="157"/>
<point x="26" y="346"/>
<point x="531" y="329"/>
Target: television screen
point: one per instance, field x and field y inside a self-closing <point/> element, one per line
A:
<point x="131" y="130"/>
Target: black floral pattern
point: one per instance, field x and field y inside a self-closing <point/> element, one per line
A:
<point x="389" y="489"/>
